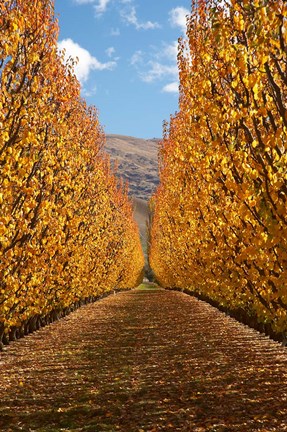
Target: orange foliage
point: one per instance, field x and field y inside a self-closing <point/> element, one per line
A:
<point x="219" y="216"/>
<point x="66" y="227"/>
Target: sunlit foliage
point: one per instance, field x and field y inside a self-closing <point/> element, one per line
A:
<point x="66" y="225"/>
<point x="220" y="220"/>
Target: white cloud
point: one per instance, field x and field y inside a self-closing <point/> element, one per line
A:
<point x="177" y="17"/>
<point x="110" y="51"/>
<point x="84" y="1"/>
<point x="86" y="62"/>
<point x="170" y="51"/>
<point x="115" y="32"/>
<point x="90" y="92"/>
<point x="127" y="12"/>
<point x="158" y="71"/>
<point x="137" y="58"/>
<point x="158" y="66"/>
<point x="171" y="87"/>
<point x="101" y="6"/>
<point x="129" y="15"/>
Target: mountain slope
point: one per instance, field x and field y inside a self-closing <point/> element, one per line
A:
<point x="137" y="163"/>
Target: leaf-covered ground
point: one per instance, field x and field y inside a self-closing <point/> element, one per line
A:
<point x="144" y="360"/>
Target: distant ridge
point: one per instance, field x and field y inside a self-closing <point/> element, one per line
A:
<point x="137" y="163"/>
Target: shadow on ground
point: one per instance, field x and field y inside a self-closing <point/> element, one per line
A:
<point x="144" y="360"/>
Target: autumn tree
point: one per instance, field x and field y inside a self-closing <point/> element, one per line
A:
<point x="220" y="212"/>
<point x="66" y="226"/>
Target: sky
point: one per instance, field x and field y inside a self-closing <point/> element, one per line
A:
<point x="127" y="63"/>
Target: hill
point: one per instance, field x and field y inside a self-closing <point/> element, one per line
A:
<point x="136" y="161"/>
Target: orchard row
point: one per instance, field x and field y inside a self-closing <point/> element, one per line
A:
<point x="219" y="216"/>
<point x="67" y="232"/>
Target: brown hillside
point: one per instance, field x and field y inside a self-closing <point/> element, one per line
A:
<point x="137" y="163"/>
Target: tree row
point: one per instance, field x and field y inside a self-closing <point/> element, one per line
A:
<point x="219" y="215"/>
<point x="67" y="232"/>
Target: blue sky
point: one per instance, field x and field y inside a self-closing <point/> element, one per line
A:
<point x="127" y="59"/>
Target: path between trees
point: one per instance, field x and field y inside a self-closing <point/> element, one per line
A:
<point x="144" y="361"/>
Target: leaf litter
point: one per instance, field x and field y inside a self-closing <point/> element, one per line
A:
<point x="144" y="360"/>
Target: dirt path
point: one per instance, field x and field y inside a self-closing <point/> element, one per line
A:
<point x="144" y="361"/>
